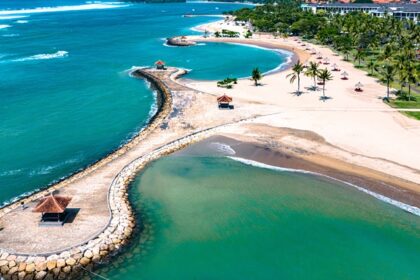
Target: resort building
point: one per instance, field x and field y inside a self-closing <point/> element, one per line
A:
<point x="397" y="10"/>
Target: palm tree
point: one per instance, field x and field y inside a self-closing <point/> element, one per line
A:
<point x="297" y="70"/>
<point x="359" y="55"/>
<point x="371" y="65"/>
<point x="312" y="71"/>
<point x="387" y="72"/>
<point x="256" y="75"/>
<point x="324" y="75"/>
<point x="410" y="74"/>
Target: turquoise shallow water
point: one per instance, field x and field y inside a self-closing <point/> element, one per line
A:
<point x="214" y="218"/>
<point x="66" y="98"/>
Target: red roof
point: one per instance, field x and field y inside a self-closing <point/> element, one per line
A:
<point x="159" y="62"/>
<point x="52" y="204"/>
<point x="224" y="99"/>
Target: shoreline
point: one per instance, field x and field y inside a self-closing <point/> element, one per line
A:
<point x="120" y="224"/>
<point x="257" y="154"/>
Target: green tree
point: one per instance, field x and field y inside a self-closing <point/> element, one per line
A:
<point x="371" y="65"/>
<point x="324" y="75"/>
<point x="313" y="71"/>
<point x="387" y="73"/>
<point x="359" y="55"/>
<point x="295" y="75"/>
<point x="256" y="76"/>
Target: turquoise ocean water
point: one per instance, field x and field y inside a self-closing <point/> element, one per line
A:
<point x="66" y="98"/>
<point x="207" y="217"/>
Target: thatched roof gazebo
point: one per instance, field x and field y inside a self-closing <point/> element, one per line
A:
<point x="53" y="209"/>
<point x="160" y="65"/>
<point x="224" y="102"/>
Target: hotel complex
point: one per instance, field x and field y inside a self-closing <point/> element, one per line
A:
<point x="397" y="10"/>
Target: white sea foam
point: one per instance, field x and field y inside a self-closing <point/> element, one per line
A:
<point x="96" y="6"/>
<point x="58" y="54"/>
<point x="47" y="169"/>
<point x="21" y="21"/>
<point x="11" y="35"/>
<point x="3" y="26"/>
<point x="11" y="17"/>
<point x="10" y="172"/>
<point x="223" y="148"/>
<point x="406" y="207"/>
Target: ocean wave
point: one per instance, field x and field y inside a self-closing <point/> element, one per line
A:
<point x="43" y="56"/>
<point x="11" y="17"/>
<point x="11" y="35"/>
<point x="406" y="207"/>
<point x="84" y="7"/>
<point x="21" y="21"/>
<point x="3" y="26"/>
<point x="10" y="172"/>
<point x="223" y="148"/>
<point x="16" y="198"/>
<point x="47" y="169"/>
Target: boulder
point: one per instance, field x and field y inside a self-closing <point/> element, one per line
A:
<point x="61" y="263"/>
<point x="12" y="263"/>
<point x="30" y="267"/>
<point x="40" y="275"/>
<point x="22" y="266"/>
<point x="88" y="254"/>
<point x="71" y="261"/>
<point x="21" y="275"/>
<point x="51" y="264"/>
<point x="13" y="270"/>
<point x="66" y="269"/>
<point x="84" y="261"/>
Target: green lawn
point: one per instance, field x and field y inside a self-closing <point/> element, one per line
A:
<point x="409" y="105"/>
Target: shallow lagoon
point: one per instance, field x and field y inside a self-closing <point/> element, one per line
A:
<point x="207" y="217"/>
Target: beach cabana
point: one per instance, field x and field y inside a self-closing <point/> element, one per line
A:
<point x="160" y="65"/>
<point x="344" y="75"/>
<point x="53" y="209"/>
<point x="224" y="102"/>
<point x="358" y="87"/>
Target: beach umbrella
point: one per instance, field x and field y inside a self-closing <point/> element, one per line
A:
<point x="334" y="67"/>
<point x="319" y="55"/>
<point x="344" y="75"/>
<point x="358" y="86"/>
<point x="326" y="60"/>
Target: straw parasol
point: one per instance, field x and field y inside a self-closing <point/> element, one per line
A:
<point x="358" y="86"/>
<point x="344" y="75"/>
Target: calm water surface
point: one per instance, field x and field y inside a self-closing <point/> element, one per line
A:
<point x="215" y="218"/>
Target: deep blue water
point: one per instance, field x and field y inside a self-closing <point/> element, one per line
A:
<point x="66" y="98"/>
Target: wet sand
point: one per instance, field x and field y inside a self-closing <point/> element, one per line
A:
<point x="277" y="154"/>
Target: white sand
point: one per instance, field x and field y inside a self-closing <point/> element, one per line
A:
<point x="357" y="122"/>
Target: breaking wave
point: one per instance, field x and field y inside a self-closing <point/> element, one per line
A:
<point x="43" y="56"/>
<point x="409" y="208"/>
<point x="84" y="7"/>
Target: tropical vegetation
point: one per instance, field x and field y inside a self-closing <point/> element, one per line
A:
<point x="386" y="47"/>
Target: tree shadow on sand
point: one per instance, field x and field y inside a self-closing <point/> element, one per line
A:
<point x="325" y="98"/>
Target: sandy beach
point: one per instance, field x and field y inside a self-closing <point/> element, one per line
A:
<point x="361" y="128"/>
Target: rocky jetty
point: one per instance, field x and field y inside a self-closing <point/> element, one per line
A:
<point x="72" y="262"/>
<point x="180" y="41"/>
